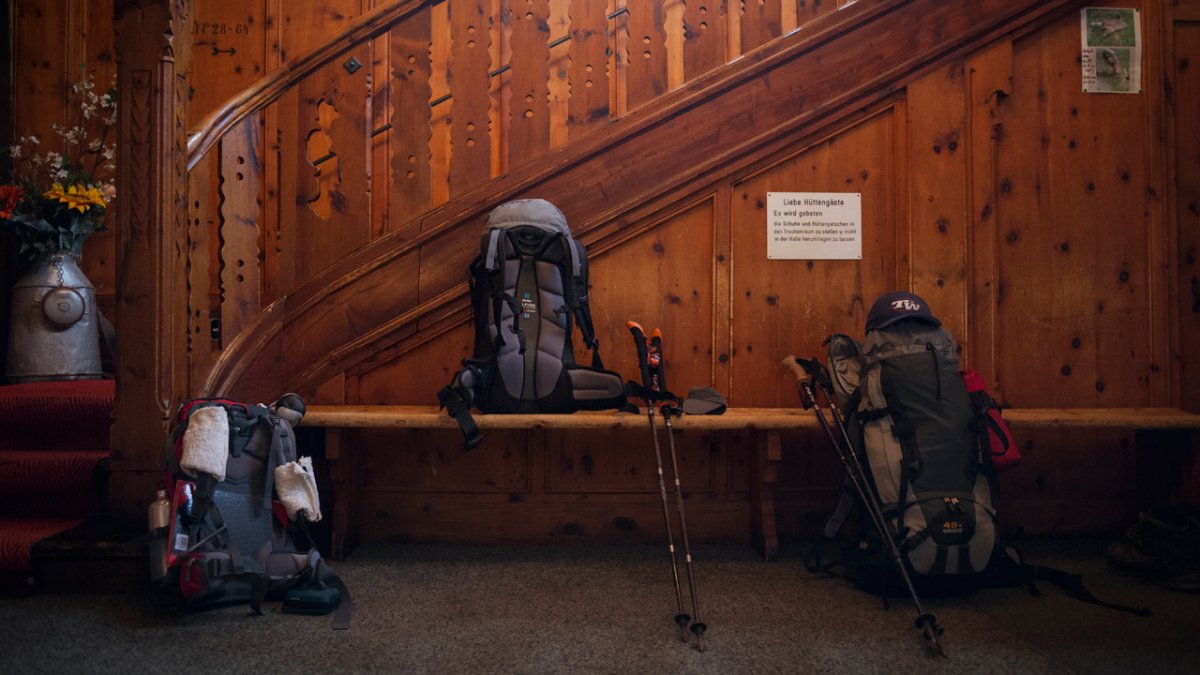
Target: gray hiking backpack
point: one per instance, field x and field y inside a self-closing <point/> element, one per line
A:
<point x="909" y="417"/>
<point x="529" y="288"/>
<point x="239" y="494"/>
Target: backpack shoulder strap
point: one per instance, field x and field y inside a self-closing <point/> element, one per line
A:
<point x="578" y="300"/>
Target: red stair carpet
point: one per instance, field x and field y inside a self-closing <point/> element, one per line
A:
<point x="53" y="466"/>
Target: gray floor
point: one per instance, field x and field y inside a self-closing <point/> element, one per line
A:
<point x="451" y="609"/>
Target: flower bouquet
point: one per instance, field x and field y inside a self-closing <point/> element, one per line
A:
<point x="56" y="200"/>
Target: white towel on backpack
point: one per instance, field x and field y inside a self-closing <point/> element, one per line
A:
<point x="206" y="442"/>
<point x="297" y="489"/>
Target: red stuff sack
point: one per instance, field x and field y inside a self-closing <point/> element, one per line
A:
<point x="1000" y="441"/>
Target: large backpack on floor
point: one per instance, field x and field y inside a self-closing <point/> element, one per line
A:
<point x="239" y="493"/>
<point x="529" y="289"/>
<point x="910" y="419"/>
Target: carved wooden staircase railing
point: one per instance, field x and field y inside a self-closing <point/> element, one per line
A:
<point x="610" y="179"/>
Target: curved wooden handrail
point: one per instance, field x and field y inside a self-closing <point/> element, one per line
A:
<point x="270" y="87"/>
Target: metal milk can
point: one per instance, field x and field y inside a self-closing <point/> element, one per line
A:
<point x="54" y="332"/>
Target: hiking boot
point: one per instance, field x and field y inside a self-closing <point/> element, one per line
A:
<point x="1163" y="547"/>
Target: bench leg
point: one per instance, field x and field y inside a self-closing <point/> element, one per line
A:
<point x="764" y="475"/>
<point x="343" y="474"/>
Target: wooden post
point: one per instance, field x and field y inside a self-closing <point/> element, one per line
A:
<point x="768" y="452"/>
<point x="153" y="46"/>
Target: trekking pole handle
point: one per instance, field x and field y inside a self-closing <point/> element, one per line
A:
<point x="803" y="385"/>
<point x="639" y="341"/>
<point x="658" y="373"/>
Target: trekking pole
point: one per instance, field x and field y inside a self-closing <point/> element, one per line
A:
<point x="698" y="627"/>
<point x="649" y="384"/>
<point x="926" y="622"/>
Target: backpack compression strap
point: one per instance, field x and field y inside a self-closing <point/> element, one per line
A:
<point x="457" y="398"/>
<point x="500" y="297"/>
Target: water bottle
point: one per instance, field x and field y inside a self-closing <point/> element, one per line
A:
<point x="159" y="520"/>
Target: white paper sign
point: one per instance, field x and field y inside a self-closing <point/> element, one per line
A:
<point x="814" y="226"/>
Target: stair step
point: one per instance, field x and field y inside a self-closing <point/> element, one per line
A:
<point x="53" y="482"/>
<point x="52" y="415"/>
<point x="17" y="539"/>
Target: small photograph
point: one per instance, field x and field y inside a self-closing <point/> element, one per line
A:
<point x="1110" y="27"/>
<point x="1113" y="71"/>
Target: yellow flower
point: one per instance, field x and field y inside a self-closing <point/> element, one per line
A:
<point x="77" y="197"/>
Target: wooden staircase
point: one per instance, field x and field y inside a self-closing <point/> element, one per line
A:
<point x="54" y="468"/>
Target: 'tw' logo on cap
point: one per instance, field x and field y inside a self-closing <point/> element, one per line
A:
<point x="905" y="305"/>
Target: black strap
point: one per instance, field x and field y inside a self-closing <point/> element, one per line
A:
<point x="650" y="396"/>
<point x="1072" y="586"/>
<point x="327" y="575"/>
<point x="456" y="405"/>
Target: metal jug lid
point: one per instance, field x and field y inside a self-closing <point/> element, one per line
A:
<point x="63" y="306"/>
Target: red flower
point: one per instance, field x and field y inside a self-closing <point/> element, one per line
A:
<point x="10" y="196"/>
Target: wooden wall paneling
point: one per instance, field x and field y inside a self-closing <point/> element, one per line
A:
<point x="705" y="24"/>
<point x="202" y="217"/>
<point x="789" y="14"/>
<point x="334" y="217"/>
<point x="442" y="103"/>
<point x="1069" y="482"/>
<point x="589" y="66"/>
<point x="332" y="392"/>
<point x="422" y="460"/>
<point x="661" y="278"/>
<point x="989" y="85"/>
<point x="1161" y="241"/>
<point x="619" y="61"/>
<point x="807" y="10"/>
<point x="783" y="307"/>
<point x="230" y="46"/>
<point x="761" y="21"/>
<point x="324" y="212"/>
<point x="410" y="192"/>
<point x="287" y="162"/>
<point x="345" y="317"/>
<point x="470" y="147"/>
<point x="529" y="118"/>
<point x="498" y="87"/>
<point x="414" y="377"/>
<point x="765" y="108"/>
<point x="722" y="338"/>
<point x="41" y="68"/>
<point x="559" y="84"/>
<point x="1075" y="286"/>
<point x="1185" y="80"/>
<point x="97" y="57"/>
<point x="623" y="461"/>
<point x="380" y="169"/>
<point x="937" y="159"/>
<point x="647" y="74"/>
<point x="673" y="34"/>
<point x="239" y="254"/>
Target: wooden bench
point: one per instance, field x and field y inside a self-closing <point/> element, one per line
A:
<point x="1163" y="442"/>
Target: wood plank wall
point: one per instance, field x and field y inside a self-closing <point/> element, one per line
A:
<point x="1054" y="231"/>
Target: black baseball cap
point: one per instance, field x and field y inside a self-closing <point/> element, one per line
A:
<point x="896" y="306"/>
<point x="704" y="401"/>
